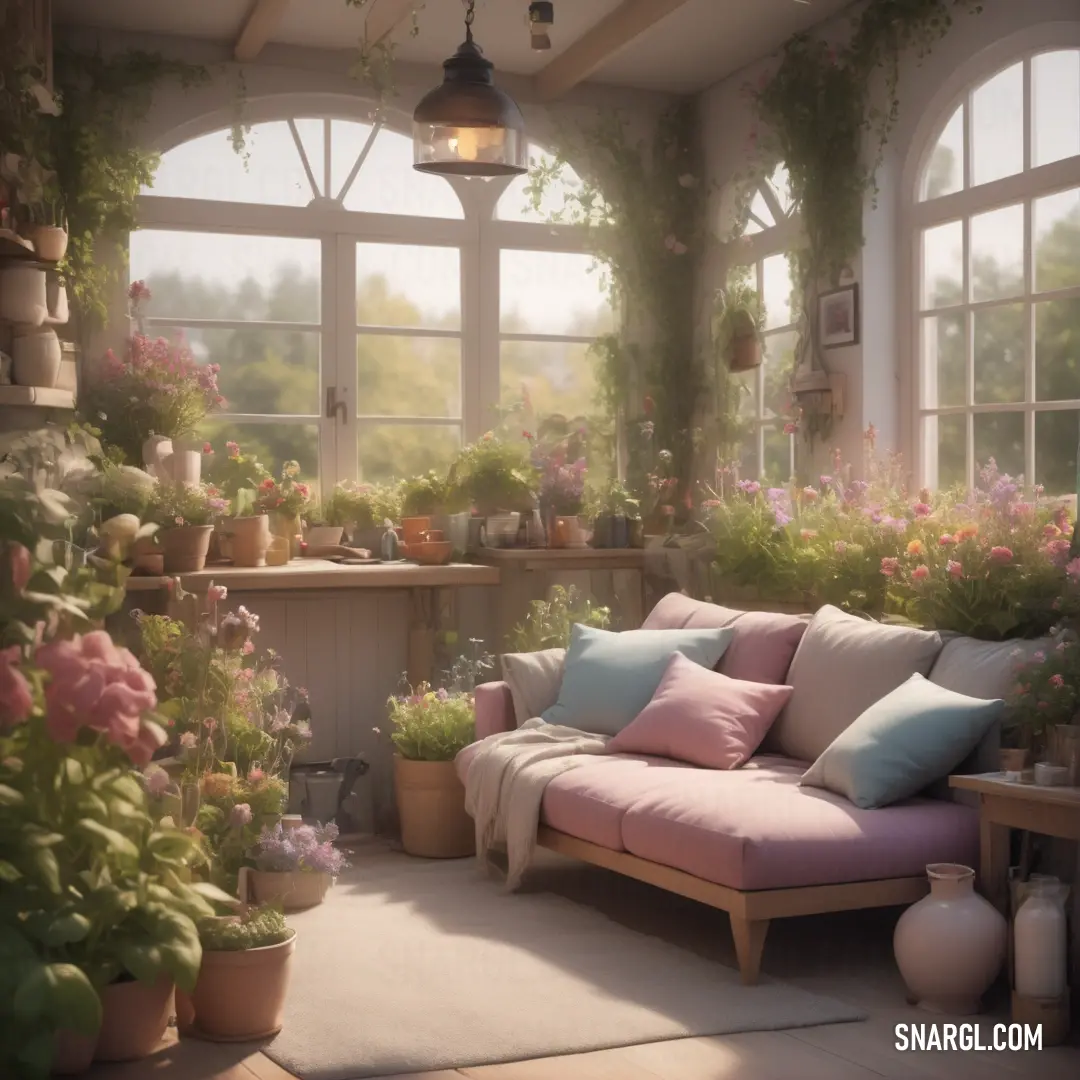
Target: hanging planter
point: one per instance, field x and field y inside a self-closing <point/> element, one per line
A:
<point x="738" y="322"/>
<point x="744" y="353"/>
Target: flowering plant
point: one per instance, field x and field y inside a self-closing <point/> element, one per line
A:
<point x="287" y="496"/>
<point x="309" y="848"/>
<point x="494" y="475"/>
<point x="156" y="388"/>
<point x="176" y="505"/>
<point x="549" y="622"/>
<point x="1046" y="693"/>
<point x="421" y="496"/>
<point x="236" y="475"/>
<point x="430" y="725"/>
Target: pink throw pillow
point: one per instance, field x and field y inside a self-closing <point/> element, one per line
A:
<point x="702" y="717"/>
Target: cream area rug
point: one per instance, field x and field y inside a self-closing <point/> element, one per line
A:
<point x="413" y="966"/>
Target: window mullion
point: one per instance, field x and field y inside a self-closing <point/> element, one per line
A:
<point x="346" y="432"/>
<point x="315" y="193"/>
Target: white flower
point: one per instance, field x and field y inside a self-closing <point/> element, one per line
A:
<point x="688" y="180"/>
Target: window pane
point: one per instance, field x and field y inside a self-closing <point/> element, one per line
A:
<point x="313" y="140"/>
<point x="944" y="172"/>
<point x="951" y="449"/>
<point x="263" y="372"/>
<point x="777" y="288"/>
<point x="548" y="377"/>
<point x="760" y="209"/>
<point x="747" y="382"/>
<point x="779" y="365"/>
<point x="997" y="126"/>
<point x="748" y="458"/>
<point x="347" y="141"/>
<point x="272" y="444"/>
<point x="1000" y="335"/>
<point x="943" y="355"/>
<point x="408" y="376"/>
<point x="209" y="168"/>
<point x="777" y="456"/>
<point x="1000" y="436"/>
<point x="1055" y="86"/>
<point x="1056" y="438"/>
<point x="228" y="275"/>
<point x="1057" y="240"/>
<point x="997" y="253"/>
<point x="389" y="451"/>
<point x="780" y="182"/>
<point x="550" y="292"/>
<point x="943" y="265"/>
<point x="401" y="285"/>
<point x="515" y="203"/>
<point x="388" y="184"/>
<point x="1057" y="350"/>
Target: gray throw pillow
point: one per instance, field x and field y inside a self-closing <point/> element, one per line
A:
<point x="842" y="666"/>
<point x="534" y="679"/>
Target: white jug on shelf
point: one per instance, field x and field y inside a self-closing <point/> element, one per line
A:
<point x="1039" y="941"/>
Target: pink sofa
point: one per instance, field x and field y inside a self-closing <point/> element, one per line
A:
<point x="750" y="841"/>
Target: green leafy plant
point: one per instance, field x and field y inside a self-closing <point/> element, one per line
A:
<point x="367" y="506"/>
<point x="739" y="314"/>
<point x="430" y="725"/>
<point x="237" y="476"/>
<point x="612" y="497"/>
<point x="256" y="928"/>
<point x="288" y="496"/>
<point x="494" y="474"/>
<point x="549" y="622"/>
<point x="176" y="505"/>
<point x="375" y="57"/>
<point x="423" y="495"/>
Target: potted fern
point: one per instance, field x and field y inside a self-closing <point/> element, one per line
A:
<point x="738" y="322"/>
<point x="244" y="976"/>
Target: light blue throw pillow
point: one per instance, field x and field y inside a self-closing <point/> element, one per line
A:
<point x="609" y="678"/>
<point x="908" y="739"/>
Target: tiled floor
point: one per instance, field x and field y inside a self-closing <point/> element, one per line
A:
<point x="848" y="956"/>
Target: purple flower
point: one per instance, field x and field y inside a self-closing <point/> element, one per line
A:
<point x="782" y="519"/>
<point x="306" y="848"/>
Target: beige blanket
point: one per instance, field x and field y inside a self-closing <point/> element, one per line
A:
<point x="505" y="785"/>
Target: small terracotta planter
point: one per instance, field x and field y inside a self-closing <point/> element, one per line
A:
<point x="50" y="241"/>
<point x="240" y="996"/>
<point x="74" y="1053"/>
<point x="295" y="890"/>
<point x="323" y="535"/>
<point x="185" y="548"/>
<point x="744" y="353"/>
<point x="247" y="539"/>
<point x="134" y="1018"/>
<point x="431" y="806"/>
<point x="415" y="529"/>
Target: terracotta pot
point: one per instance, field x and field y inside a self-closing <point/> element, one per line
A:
<point x="185" y="1013"/>
<point x="567" y="532"/>
<point x="431" y="806"/>
<point x="74" y="1053"/>
<point x="240" y="996"/>
<point x="951" y="944"/>
<point x="295" y="890"/>
<point x="415" y="528"/>
<point x="744" y="353"/>
<point x="248" y="539"/>
<point x="323" y="535"/>
<point x="134" y="1018"/>
<point x="146" y="555"/>
<point x="185" y="547"/>
<point x="50" y="241"/>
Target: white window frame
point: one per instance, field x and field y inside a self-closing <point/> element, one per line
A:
<point x="479" y="237"/>
<point x="917" y="216"/>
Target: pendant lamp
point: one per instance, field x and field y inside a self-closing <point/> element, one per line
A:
<point x="468" y="126"/>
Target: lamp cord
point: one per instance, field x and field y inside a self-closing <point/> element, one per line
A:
<point x="469" y="16"/>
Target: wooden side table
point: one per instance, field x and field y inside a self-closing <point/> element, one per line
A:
<point x="1005" y="805"/>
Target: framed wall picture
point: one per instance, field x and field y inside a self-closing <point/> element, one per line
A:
<point x="838" y="317"/>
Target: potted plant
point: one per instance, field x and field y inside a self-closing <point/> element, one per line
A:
<point x="244" y="535"/>
<point x="184" y="514"/>
<point x="364" y="507"/>
<point x="549" y="622"/>
<point x="156" y="391"/>
<point x="295" y="867"/>
<point x="498" y="480"/>
<point x="324" y="523"/>
<point x="244" y="976"/>
<point x="284" y="500"/>
<point x="738" y="322"/>
<point x="421" y="498"/>
<point x="428" y="729"/>
<point x="612" y="508"/>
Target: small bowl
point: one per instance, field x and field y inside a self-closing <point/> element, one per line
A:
<point x="1047" y="775"/>
<point x="433" y="552"/>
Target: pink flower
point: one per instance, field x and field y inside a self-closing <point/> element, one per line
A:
<point x="138" y="292"/>
<point x="233" y="449"/>
<point x="16" y="701"/>
<point x="157" y="782"/>
<point x="1072" y="569"/>
<point x="1038" y="657"/>
<point x="1056" y="680"/>
<point x="1050" y="531"/>
<point x="810" y="494"/>
<point x="947" y="540"/>
<point x="808" y="534"/>
<point x="920" y="509"/>
<point x="790" y="428"/>
<point x="19" y="561"/>
<point x="840" y="547"/>
<point x="920" y="573"/>
<point x="210" y="724"/>
<point x="1057" y="551"/>
<point x="954" y="568"/>
<point x="207" y="448"/>
<point x="240" y="815"/>
<point x="256" y="776"/>
<point x="1002" y="555"/>
<point x="248" y="649"/>
<point x="889" y="566"/>
<point x="189" y="740"/>
<point x="216" y="593"/>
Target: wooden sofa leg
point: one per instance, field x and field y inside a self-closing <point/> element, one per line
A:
<point x="749" y="937"/>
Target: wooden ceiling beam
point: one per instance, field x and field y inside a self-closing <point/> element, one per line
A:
<point x="628" y="21"/>
<point x="385" y="16"/>
<point x="261" y="22"/>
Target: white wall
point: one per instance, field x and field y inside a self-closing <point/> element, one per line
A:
<point x="878" y="369"/>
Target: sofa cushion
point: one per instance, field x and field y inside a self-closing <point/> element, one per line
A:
<point x="702" y="717"/>
<point x="756" y="828"/>
<point x="911" y="737"/>
<point x="534" y="680"/>
<point x="842" y="666"/>
<point x="984" y="669"/>
<point x="610" y="677"/>
<point x="764" y="641"/>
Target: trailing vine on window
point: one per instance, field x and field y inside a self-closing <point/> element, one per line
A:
<point x="375" y="62"/>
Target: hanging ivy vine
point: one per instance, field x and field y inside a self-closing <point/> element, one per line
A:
<point x="375" y="61"/>
<point x="821" y="117"/>
<point x="643" y="208"/>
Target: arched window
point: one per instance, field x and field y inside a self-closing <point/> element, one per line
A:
<point x="361" y="311"/>
<point x="768" y="234"/>
<point x="997" y="222"/>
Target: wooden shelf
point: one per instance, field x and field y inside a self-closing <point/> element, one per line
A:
<point x="319" y="574"/>
<point x="41" y="397"/>
<point x="563" y="558"/>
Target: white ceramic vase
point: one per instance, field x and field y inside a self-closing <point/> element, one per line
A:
<point x="22" y="295"/>
<point x="37" y="354"/>
<point x="50" y="241"/>
<point x="1040" y="941"/>
<point x="155" y="451"/>
<point x="185" y="464"/>
<point x="951" y="944"/>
